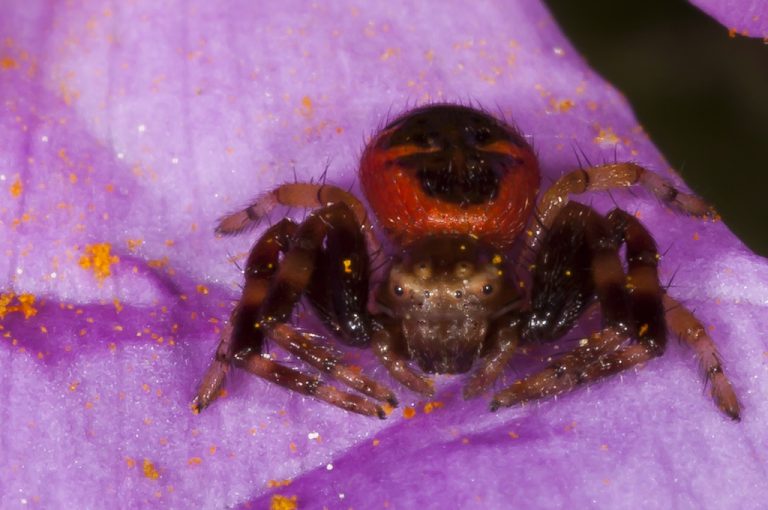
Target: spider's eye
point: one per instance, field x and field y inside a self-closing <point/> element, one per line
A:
<point x="482" y="136"/>
<point x="398" y="290"/>
<point x="458" y="294"/>
<point x="487" y="289"/>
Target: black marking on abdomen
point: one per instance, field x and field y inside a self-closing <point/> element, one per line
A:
<point x="457" y="153"/>
<point x="461" y="180"/>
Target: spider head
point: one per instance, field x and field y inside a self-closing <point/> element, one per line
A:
<point x="446" y="292"/>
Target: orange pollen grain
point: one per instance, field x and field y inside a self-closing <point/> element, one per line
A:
<point x="195" y="461"/>
<point x="149" y="470"/>
<point x="7" y="63"/>
<point x="606" y="136"/>
<point x="202" y="289"/>
<point x="158" y="263"/>
<point x="279" y="502"/>
<point x="99" y="259"/>
<point x="409" y="412"/>
<point x="306" y="104"/>
<point x="16" y="188"/>
<point x="564" y="105"/>
<point x="24" y="304"/>
<point x="133" y="244"/>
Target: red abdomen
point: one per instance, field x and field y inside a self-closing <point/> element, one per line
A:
<point x="447" y="169"/>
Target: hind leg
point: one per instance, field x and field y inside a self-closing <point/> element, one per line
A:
<point x="607" y="177"/>
<point x="685" y="325"/>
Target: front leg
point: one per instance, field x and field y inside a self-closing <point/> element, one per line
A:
<point x="504" y="342"/>
<point x="273" y="287"/>
<point x="579" y="258"/>
<point x="387" y="347"/>
<point x="239" y="335"/>
<point x="328" y="362"/>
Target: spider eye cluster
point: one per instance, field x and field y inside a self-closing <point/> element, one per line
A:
<point x="464" y="282"/>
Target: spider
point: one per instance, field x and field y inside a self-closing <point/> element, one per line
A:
<point x="454" y="190"/>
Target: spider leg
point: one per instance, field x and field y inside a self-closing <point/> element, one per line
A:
<point x="297" y="194"/>
<point x="271" y="292"/>
<point x="239" y="334"/>
<point x="339" y="292"/>
<point x="578" y="259"/>
<point x="327" y="361"/>
<point x="295" y="380"/>
<point x="504" y="343"/>
<point x="386" y="345"/>
<point x="570" y="370"/>
<point x="606" y="177"/>
<point x="682" y="322"/>
<point x="605" y="354"/>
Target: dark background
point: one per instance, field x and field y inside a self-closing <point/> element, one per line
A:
<point x="700" y="94"/>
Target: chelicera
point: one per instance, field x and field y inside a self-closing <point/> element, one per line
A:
<point x="454" y="189"/>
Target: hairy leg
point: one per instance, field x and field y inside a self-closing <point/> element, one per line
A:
<point x="299" y="194"/>
<point x="386" y="347"/>
<point x="606" y="177"/>
<point x="312" y="386"/>
<point x="328" y="362"/>
<point x="272" y="289"/>
<point x="239" y="334"/>
<point x="685" y="325"/>
<point x="578" y="259"/>
<point x="606" y="354"/>
<point x="577" y="367"/>
<point x="504" y="343"/>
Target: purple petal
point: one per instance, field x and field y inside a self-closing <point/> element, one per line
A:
<point x="747" y="18"/>
<point x="128" y="128"/>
